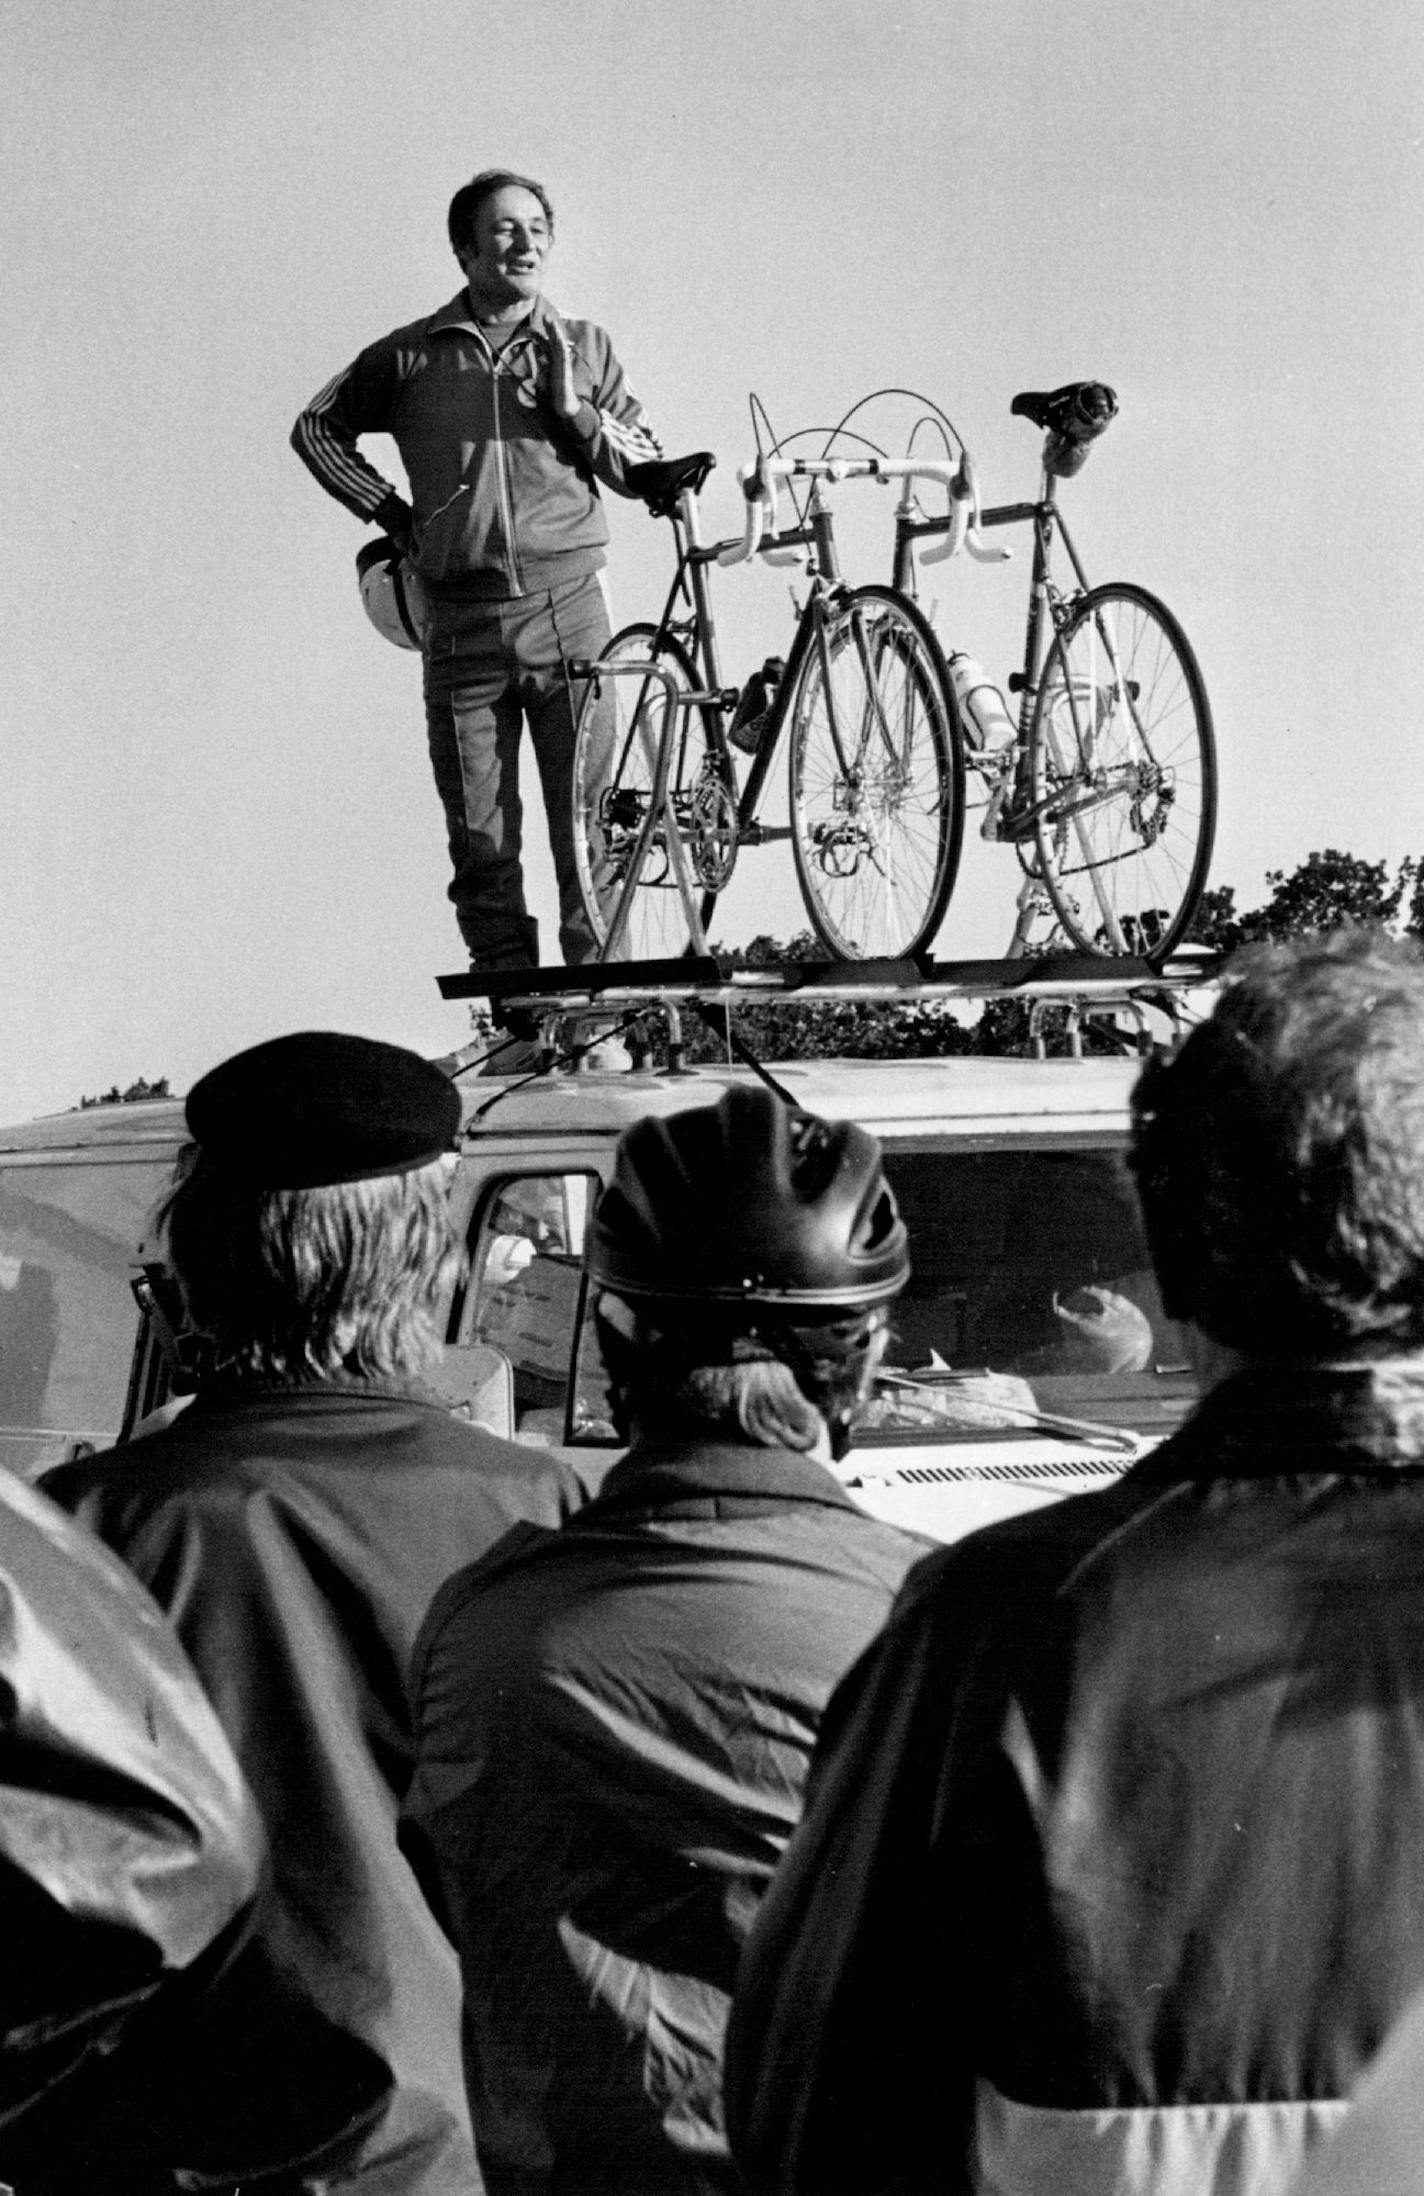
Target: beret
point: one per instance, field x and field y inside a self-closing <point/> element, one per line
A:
<point x="318" y="1108"/>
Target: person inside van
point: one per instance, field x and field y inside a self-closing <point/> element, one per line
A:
<point x="296" y="1521"/>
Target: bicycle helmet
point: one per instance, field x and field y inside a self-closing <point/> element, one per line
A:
<point x="391" y="593"/>
<point x="749" y="1202"/>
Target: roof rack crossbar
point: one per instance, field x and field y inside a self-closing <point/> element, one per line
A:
<point x="687" y="972"/>
<point x="1091" y="979"/>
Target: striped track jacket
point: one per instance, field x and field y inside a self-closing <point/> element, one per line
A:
<point x="504" y="497"/>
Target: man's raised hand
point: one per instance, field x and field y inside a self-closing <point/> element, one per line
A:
<point x="559" y="387"/>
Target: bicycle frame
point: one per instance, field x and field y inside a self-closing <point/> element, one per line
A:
<point x="689" y="619"/>
<point x="1045" y="601"/>
<point x="875" y="791"/>
<point x="1049" y="611"/>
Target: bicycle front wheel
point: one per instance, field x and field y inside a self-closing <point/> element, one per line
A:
<point x="877" y="779"/>
<point x="620" y="723"/>
<point x="1122" y="765"/>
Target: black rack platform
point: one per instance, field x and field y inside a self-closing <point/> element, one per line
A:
<point x="1088" y="978"/>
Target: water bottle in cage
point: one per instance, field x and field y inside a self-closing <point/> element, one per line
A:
<point x="749" y="718"/>
<point x="983" y="712"/>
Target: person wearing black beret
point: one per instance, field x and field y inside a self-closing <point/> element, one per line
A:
<point x="297" y="1519"/>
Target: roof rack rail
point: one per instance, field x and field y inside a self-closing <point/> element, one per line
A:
<point x="1088" y="978"/>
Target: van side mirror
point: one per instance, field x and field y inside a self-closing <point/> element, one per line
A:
<point x="476" y="1381"/>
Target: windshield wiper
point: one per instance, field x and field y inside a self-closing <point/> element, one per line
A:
<point x="1078" y="1429"/>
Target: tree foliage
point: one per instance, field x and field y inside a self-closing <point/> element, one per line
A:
<point x="137" y="1094"/>
<point x="1327" y="891"/>
<point x="908" y="1029"/>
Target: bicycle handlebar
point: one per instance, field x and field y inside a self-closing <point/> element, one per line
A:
<point x="963" y="528"/>
<point x="759" y="485"/>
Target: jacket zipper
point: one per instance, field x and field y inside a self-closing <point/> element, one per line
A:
<point x="506" y="494"/>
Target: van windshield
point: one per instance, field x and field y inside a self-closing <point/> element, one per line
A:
<point x="1032" y="1290"/>
<point x="1031" y="1294"/>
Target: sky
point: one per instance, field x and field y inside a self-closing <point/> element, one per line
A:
<point x="218" y="821"/>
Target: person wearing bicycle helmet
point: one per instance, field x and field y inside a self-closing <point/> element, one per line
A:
<point x="615" y="1718"/>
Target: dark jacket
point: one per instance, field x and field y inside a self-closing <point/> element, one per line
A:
<point x="296" y="1536"/>
<point x="614" y="1726"/>
<point x="504" y="494"/>
<point x="131" y="1868"/>
<point x="128" y="1842"/>
<point x="1111" y="1872"/>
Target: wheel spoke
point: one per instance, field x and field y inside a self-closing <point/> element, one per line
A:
<point x="1124" y="776"/>
<point x="615" y="761"/>
<point x="876" y="821"/>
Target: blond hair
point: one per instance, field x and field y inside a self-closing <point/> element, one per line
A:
<point x="307" y="1283"/>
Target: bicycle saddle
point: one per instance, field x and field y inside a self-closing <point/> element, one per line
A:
<point x="661" y="481"/>
<point x="1080" y="409"/>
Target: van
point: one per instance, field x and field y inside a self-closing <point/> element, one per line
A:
<point x="1030" y="1355"/>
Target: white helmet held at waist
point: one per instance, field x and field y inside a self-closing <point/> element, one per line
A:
<point x="392" y="593"/>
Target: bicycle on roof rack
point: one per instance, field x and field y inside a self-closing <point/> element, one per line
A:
<point x="876" y="765"/>
<point x="1105" y="780"/>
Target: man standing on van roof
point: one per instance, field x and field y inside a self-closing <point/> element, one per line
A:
<point x="296" y="1521"/>
<point x="507" y="417"/>
<point x="615" y="1719"/>
<point x="1110" y="1874"/>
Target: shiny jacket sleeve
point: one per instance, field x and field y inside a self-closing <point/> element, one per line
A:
<point x="358" y="401"/>
<point x="147" y="2036"/>
<point x="128" y="1843"/>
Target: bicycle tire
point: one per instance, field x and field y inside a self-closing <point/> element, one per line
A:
<point x="609" y="808"/>
<point x="1122" y="774"/>
<point x="877" y="837"/>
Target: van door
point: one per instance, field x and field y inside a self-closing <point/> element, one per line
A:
<point x="70" y="1226"/>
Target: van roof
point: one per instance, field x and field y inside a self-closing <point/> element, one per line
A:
<point x="98" y="1131"/>
<point x="955" y="1094"/>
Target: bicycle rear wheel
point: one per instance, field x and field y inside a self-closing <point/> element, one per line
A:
<point x="620" y="722"/>
<point x="1122" y="765"/>
<point x="877" y="780"/>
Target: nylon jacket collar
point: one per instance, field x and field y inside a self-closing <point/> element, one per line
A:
<point x="659" y="1475"/>
<point x="458" y="316"/>
<point x="1302" y="1418"/>
<point x="226" y="1392"/>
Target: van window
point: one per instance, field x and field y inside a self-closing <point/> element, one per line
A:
<point x="524" y="1297"/>
<point x="1031" y="1282"/>
<point x="68" y="1242"/>
<point x="1032" y="1292"/>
